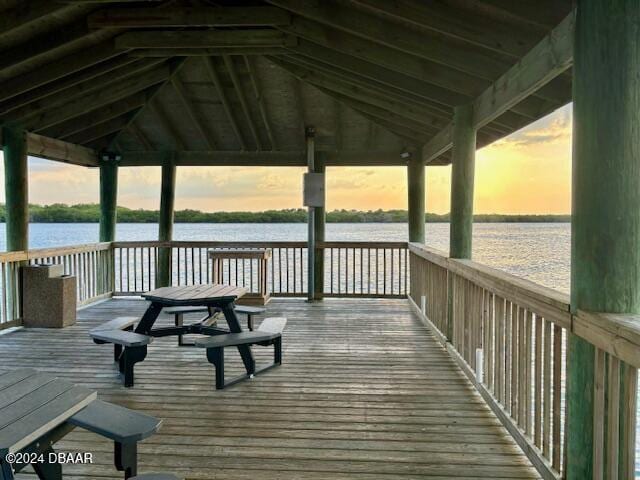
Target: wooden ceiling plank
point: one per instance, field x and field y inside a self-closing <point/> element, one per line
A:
<point x="415" y="137"/>
<point x="204" y="39"/>
<point x="183" y="17"/>
<point x="59" y="69"/>
<point x="476" y="62"/>
<point x="552" y="56"/>
<point x="53" y="149"/>
<point x="166" y="124"/>
<point x="237" y="85"/>
<point x="101" y="82"/>
<point x="178" y="87"/>
<point x="116" y="109"/>
<point x="253" y="76"/>
<point x="94" y="100"/>
<point x="224" y="99"/>
<point x="65" y="82"/>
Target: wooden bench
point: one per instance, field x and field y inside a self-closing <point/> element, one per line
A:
<point x="209" y="319"/>
<point x="124" y="426"/>
<point x="268" y="333"/>
<point x="129" y="347"/>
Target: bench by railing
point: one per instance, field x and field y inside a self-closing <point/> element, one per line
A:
<point x="510" y="337"/>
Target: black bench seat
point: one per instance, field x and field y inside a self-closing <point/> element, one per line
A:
<point x="268" y="333"/>
<point x="129" y="347"/>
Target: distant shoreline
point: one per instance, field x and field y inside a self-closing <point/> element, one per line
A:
<point x="90" y="213"/>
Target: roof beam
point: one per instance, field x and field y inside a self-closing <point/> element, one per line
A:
<point x="97" y="130"/>
<point x="24" y="14"/>
<point x="226" y="105"/>
<point x="184" y="17"/>
<point x="101" y="82"/>
<point x="469" y="59"/>
<point x="140" y="136"/>
<point x="116" y="109"/>
<point x="261" y="106"/>
<point x="178" y="87"/>
<point x="62" y="68"/>
<point x="552" y="56"/>
<point x="207" y="52"/>
<point x="237" y="85"/>
<point x="487" y="33"/>
<point x="263" y="159"/>
<point x="95" y="100"/>
<point x="175" y="65"/>
<point x="204" y="39"/>
<point x="52" y="149"/>
<point x="64" y="83"/>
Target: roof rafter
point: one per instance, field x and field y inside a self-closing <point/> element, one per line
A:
<point x="97" y="130"/>
<point x="137" y="132"/>
<point x="166" y="124"/>
<point x="224" y="99"/>
<point x="178" y="87"/>
<point x="253" y="76"/>
<point x="231" y="70"/>
<point x="204" y="39"/>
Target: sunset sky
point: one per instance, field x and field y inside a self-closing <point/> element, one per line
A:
<point x="527" y="172"/>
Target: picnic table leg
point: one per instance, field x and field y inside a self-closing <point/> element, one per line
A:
<point x="234" y="327"/>
<point x="6" y="472"/>
<point x="149" y="318"/>
<point x="125" y="458"/>
<point x="46" y="470"/>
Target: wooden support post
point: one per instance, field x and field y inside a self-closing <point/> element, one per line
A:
<point x="165" y="226"/>
<point x="462" y="175"/>
<point x="319" y="217"/>
<point x="108" y="200"/>
<point x="605" y="258"/>
<point x="311" y="240"/>
<point x="14" y="141"/>
<point x="416" y="201"/>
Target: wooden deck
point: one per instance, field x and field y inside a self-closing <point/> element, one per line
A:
<point x="365" y="393"/>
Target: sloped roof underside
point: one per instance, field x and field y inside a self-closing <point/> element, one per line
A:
<point x="250" y="76"/>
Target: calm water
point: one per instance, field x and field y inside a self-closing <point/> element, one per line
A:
<point x="539" y="252"/>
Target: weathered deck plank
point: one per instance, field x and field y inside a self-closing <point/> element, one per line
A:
<point x="364" y="393"/>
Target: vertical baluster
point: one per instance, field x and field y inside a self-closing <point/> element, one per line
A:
<point x="515" y="363"/>
<point x="557" y="383"/>
<point x="4" y="293"/>
<point x="537" y="418"/>
<point x="613" y="418"/>
<point x="528" y="374"/>
<point x="598" y="414"/>
<point x="628" y="421"/>
<point x="353" y="280"/>
<point x="522" y="367"/>
<point x="508" y="353"/>
<point x="546" y="404"/>
<point x="491" y="343"/>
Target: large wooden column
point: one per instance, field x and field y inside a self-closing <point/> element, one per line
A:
<point x="462" y="175"/>
<point x="311" y="232"/>
<point x="165" y="224"/>
<point x="416" y="200"/>
<point x="319" y="220"/>
<point x="108" y="200"/>
<point x="14" y="142"/>
<point x="605" y="253"/>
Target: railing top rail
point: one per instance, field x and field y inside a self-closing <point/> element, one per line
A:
<point x="208" y="244"/>
<point x="52" y="252"/>
<point x="361" y="244"/>
<point x="547" y="301"/>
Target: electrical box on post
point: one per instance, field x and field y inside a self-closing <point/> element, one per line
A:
<point x="313" y="190"/>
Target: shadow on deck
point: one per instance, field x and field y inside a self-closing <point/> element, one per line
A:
<point x="365" y="392"/>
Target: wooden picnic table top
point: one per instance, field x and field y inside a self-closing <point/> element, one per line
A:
<point x="32" y="404"/>
<point x="259" y="253"/>
<point x="194" y="294"/>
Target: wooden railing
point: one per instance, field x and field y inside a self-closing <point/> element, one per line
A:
<point x="350" y="268"/>
<point x="510" y="337"/>
<point x="92" y="265"/>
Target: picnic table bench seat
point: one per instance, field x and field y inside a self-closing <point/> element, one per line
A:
<point x="180" y="312"/>
<point x="129" y="347"/>
<point x="268" y="333"/>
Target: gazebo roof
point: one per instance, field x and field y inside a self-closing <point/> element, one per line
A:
<point x="233" y="82"/>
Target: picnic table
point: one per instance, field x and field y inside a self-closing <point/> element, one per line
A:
<point x="37" y="410"/>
